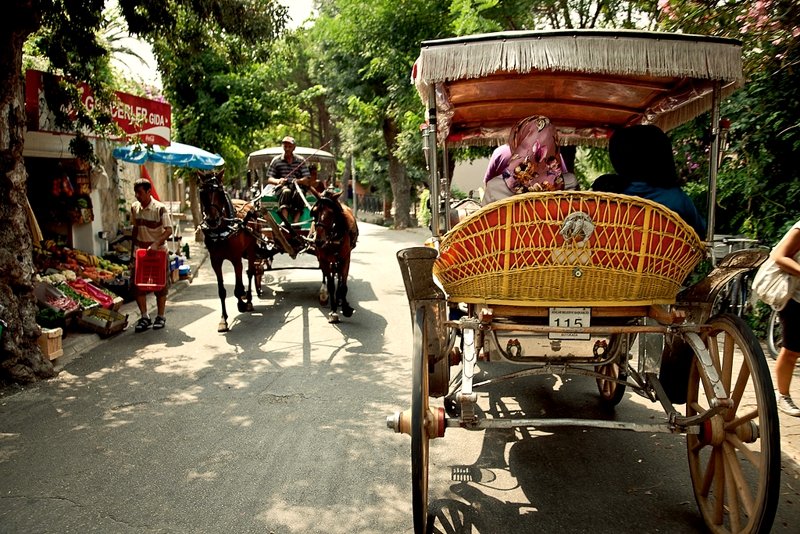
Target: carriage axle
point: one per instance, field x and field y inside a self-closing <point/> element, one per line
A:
<point x="435" y="422"/>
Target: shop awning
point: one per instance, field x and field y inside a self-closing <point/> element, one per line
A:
<point x="176" y="154"/>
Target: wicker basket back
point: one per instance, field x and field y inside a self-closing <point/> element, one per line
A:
<point x="568" y="248"/>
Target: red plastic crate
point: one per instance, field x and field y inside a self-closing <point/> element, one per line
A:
<point x="150" y="269"/>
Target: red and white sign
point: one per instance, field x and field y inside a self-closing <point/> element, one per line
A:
<point x="147" y="120"/>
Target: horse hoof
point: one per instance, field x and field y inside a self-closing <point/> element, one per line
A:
<point x="242" y="306"/>
<point x="223" y="327"/>
<point x="323" y="302"/>
<point x="348" y="312"/>
<point x="333" y="318"/>
<point x="250" y="307"/>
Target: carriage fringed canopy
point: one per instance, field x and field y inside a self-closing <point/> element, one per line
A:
<point x="603" y="80"/>
<point x="551" y="249"/>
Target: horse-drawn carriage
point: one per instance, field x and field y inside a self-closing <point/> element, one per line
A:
<point x="590" y="276"/>
<point x="254" y="230"/>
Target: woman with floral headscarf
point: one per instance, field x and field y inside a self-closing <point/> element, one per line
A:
<point x="529" y="162"/>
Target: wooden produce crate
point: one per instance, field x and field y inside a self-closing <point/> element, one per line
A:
<point x="50" y="343"/>
<point x="104" y="322"/>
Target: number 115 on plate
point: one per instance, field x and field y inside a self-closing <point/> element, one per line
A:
<point x="570" y="318"/>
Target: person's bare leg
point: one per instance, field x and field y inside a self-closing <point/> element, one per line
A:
<point x="141" y="301"/>
<point x="784" y="367"/>
<point x="161" y="305"/>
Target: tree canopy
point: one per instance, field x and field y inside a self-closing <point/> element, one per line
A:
<point x="238" y="80"/>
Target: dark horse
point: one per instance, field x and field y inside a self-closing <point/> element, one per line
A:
<point x="228" y="228"/>
<point x="334" y="234"/>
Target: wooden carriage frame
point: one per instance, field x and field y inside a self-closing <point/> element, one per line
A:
<point x="516" y="264"/>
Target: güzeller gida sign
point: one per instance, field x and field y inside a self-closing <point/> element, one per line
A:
<point x="147" y="120"/>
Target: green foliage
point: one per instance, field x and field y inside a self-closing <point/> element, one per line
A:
<point x="759" y="183"/>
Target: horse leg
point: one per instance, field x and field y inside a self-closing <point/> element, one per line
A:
<point x="250" y="273"/>
<point x="216" y="265"/>
<point x="258" y="275"/>
<point x="333" y="317"/>
<point x="341" y="291"/>
<point x="238" y="291"/>
<point x="323" y="290"/>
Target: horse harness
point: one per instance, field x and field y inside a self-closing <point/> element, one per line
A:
<point x="227" y="225"/>
<point x="335" y="231"/>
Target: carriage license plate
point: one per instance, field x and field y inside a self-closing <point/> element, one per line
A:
<point x="570" y="318"/>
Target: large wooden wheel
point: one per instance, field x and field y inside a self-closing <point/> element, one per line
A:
<point x="419" y="423"/>
<point x="734" y="461"/>
<point x="611" y="391"/>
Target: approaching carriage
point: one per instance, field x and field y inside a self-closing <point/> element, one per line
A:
<point x="601" y="272"/>
<point x="236" y="229"/>
<point x="258" y="166"/>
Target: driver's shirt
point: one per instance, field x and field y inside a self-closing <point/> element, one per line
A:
<point x="280" y="168"/>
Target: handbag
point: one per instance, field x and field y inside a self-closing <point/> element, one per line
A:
<point x="774" y="286"/>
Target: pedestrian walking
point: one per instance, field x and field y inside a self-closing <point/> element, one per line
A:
<point x="786" y="255"/>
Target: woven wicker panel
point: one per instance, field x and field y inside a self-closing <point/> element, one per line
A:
<point x="579" y="248"/>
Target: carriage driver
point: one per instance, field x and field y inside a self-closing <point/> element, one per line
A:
<point x="283" y="172"/>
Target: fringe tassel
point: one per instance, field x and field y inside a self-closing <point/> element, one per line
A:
<point x="625" y="54"/>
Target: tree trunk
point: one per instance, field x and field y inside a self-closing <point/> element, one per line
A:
<point x="194" y="202"/>
<point x="20" y="357"/>
<point x="401" y="187"/>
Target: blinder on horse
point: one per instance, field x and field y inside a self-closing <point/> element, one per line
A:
<point x="331" y="221"/>
<point x="219" y="217"/>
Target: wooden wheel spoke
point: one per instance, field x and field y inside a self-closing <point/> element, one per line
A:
<point x="732" y="501"/>
<point x="727" y="360"/>
<point x="708" y="476"/>
<point x="742" y="490"/>
<point x="741" y="383"/>
<point x="697" y="408"/>
<point x="731" y="425"/>
<point x="752" y="456"/>
<point x="719" y="487"/>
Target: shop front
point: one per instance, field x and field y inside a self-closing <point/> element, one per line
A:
<point x="79" y="210"/>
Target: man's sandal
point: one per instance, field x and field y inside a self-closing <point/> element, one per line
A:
<point x="142" y="325"/>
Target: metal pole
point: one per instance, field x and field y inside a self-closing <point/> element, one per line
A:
<point x="353" y="178"/>
<point x="446" y="187"/>
<point x="713" y="167"/>
<point x="434" y="180"/>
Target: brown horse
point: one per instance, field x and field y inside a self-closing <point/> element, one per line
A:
<point x="334" y="234"/>
<point x="229" y="235"/>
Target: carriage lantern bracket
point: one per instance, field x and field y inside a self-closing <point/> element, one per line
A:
<point x="426" y="150"/>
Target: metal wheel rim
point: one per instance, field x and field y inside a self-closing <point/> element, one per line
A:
<point x="735" y="484"/>
<point x="419" y="435"/>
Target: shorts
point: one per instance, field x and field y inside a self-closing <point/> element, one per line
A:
<point x="289" y="198"/>
<point x="790" y="322"/>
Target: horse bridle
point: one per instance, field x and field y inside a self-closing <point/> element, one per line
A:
<point x="335" y="231"/>
<point x="225" y="222"/>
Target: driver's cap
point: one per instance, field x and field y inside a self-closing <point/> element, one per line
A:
<point x="288" y="139"/>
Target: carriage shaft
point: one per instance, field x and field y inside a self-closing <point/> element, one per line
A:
<point x="483" y="424"/>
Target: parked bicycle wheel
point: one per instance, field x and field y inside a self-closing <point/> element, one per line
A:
<point x="774" y="334"/>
